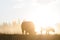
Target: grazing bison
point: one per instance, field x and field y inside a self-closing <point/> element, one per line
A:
<point x="28" y="26"/>
<point x="49" y="30"/>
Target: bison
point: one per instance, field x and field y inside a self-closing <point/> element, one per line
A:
<point x="49" y="30"/>
<point x="28" y="26"/>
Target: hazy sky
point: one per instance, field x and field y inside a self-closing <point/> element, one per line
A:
<point x="43" y="12"/>
<point x="40" y="10"/>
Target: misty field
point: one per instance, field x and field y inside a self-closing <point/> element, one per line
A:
<point x="28" y="37"/>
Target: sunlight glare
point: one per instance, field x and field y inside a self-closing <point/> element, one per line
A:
<point x="52" y="33"/>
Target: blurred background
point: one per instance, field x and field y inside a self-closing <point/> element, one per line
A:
<point x="43" y="13"/>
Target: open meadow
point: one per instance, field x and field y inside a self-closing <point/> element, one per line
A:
<point x="28" y="37"/>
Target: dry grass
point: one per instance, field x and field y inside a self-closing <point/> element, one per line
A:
<point x="28" y="37"/>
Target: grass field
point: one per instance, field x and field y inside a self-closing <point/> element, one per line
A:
<point x="28" y="37"/>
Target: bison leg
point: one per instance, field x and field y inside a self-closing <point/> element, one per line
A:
<point x="22" y="31"/>
<point x="25" y="32"/>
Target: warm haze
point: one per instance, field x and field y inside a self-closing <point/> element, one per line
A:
<point x="45" y="14"/>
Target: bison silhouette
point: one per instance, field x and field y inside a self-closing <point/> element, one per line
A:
<point x="28" y="26"/>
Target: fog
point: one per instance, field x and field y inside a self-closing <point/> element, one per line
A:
<point x="10" y="28"/>
<point x="30" y="9"/>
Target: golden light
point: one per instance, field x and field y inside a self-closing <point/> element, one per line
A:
<point x="43" y="17"/>
<point x="51" y="33"/>
<point x="44" y="32"/>
<point x="42" y="25"/>
<point x="37" y="30"/>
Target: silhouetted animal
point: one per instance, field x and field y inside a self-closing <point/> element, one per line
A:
<point x="28" y="26"/>
<point x="49" y="30"/>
